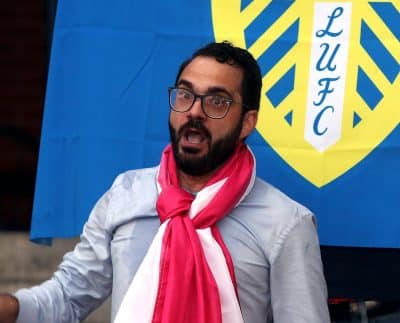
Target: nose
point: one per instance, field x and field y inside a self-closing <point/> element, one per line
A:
<point x="196" y="112"/>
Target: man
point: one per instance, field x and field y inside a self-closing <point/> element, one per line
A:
<point x="230" y="247"/>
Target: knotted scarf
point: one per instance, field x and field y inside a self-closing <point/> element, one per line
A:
<point x="187" y="274"/>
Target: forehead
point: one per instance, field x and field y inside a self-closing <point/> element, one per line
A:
<point x="206" y="72"/>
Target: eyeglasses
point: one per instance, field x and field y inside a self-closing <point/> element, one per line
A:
<point x="214" y="106"/>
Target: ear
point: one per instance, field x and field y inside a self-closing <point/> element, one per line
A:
<point x="249" y="123"/>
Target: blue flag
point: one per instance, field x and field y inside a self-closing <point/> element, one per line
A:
<point x="328" y="133"/>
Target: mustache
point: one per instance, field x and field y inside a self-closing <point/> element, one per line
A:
<point x="194" y="124"/>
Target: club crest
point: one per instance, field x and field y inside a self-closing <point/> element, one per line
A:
<point x="331" y="85"/>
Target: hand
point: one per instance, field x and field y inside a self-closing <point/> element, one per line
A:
<point x="9" y="308"/>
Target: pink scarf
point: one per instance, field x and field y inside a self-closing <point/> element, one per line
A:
<point x="195" y="281"/>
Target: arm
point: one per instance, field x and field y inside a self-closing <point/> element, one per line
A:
<point x="8" y="308"/>
<point x="298" y="285"/>
<point x="82" y="281"/>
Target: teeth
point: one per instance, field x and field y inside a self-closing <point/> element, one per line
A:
<point x="194" y="138"/>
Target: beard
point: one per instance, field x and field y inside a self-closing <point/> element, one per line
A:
<point x="218" y="152"/>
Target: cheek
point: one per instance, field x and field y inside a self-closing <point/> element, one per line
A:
<point x="221" y="129"/>
<point x="218" y="130"/>
<point x="175" y="119"/>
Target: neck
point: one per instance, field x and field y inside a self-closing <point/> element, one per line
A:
<point x="192" y="183"/>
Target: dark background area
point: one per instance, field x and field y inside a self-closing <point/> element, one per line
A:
<point x="25" y="38"/>
<point x="353" y="274"/>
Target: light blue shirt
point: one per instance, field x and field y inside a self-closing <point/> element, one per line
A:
<point x="271" y="238"/>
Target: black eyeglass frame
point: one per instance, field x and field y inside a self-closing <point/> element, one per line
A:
<point x="201" y="97"/>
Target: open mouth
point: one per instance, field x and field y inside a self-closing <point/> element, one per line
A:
<point x="194" y="132"/>
<point x="193" y="141"/>
<point x="193" y="136"/>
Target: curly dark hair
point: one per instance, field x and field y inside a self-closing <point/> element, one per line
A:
<point x="225" y="52"/>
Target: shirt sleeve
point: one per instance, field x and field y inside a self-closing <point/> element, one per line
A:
<point x="81" y="283"/>
<point x="298" y="287"/>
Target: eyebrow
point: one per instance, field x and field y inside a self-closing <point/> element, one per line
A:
<point x="210" y="90"/>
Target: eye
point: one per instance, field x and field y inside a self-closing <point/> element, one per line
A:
<point x="184" y="94"/>
<point x="217" y="101"/>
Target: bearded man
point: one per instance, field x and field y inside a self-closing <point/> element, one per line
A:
<point x="198" y="238"/>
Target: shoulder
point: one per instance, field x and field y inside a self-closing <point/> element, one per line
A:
<point x="269" y="215"/>
<point x="136" y="183"/>
<point x="273" y="202"/>
<point x="132" y="194"/>
<point x="127" y="180"/>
